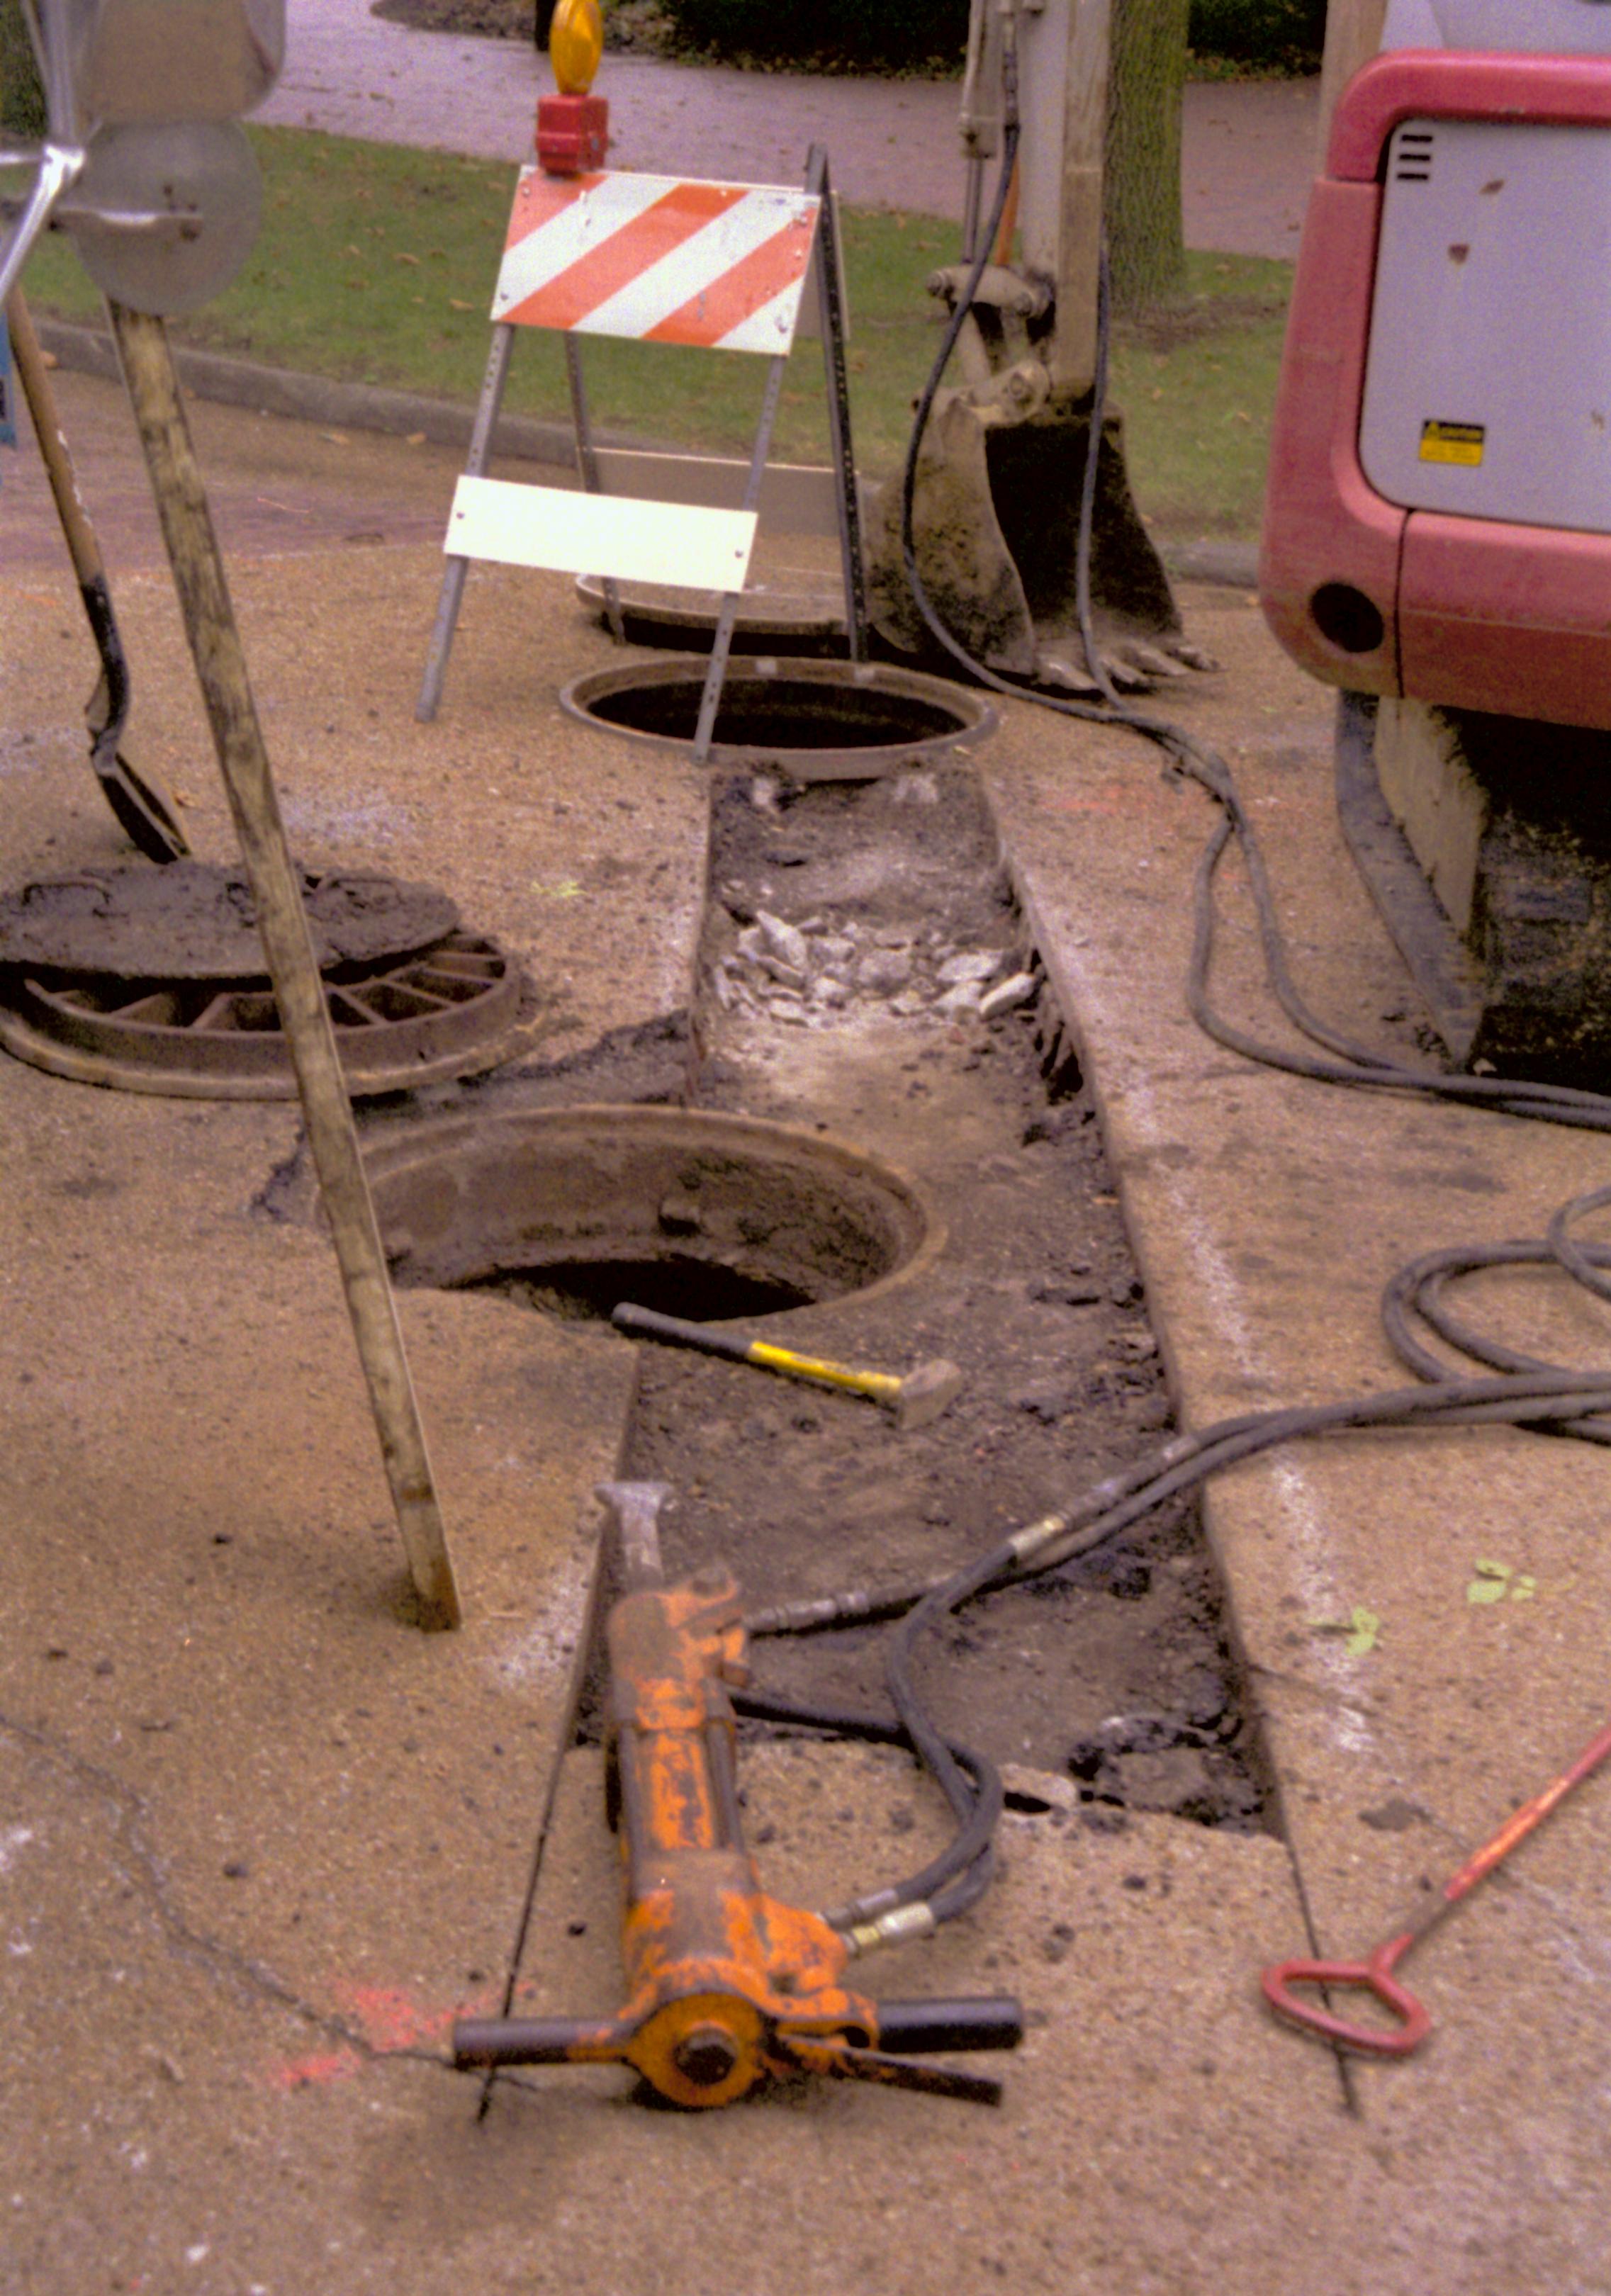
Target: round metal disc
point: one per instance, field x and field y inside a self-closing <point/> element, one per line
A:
<point x="192" y="921"/>
<point x="204" y="177"/>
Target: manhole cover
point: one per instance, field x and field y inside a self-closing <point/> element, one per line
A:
<point x="154" y="981"/>
<point x="819" y="721"/>
<point x="191" y="921"/>
<point x="703" y="1216"/>
<point x="769" y="621"/>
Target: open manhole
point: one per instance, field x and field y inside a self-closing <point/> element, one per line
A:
<point x="770" y="622"/>
<point x="154" y="981"/>
<point x="819" y="721"/>
<point x="573" y="1210"/>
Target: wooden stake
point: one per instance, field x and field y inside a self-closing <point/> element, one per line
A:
<point x="215" y="643"/>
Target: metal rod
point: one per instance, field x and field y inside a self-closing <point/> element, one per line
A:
<point x="215" y="643"/>
<point x="586" y="464"/>
<point x="453" y="575"/>
<point x="831" y="304"/>
<point x="973" y="208"/>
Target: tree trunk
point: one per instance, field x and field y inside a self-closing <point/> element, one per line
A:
<point x="1147" y="247"/>
<point x="1354" y="34"/>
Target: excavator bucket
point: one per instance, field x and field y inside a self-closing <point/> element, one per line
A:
<point x="996" y="519"/>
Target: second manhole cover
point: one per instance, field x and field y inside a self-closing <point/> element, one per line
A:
<point x="154" y="981"/>
<point x="191" y="921"/>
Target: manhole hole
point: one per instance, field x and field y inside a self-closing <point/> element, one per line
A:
<point x="153" y="980"/>
<point x="769" y="621"/>
<point x="820" y="721"/>
<point x="703" y="1216"/>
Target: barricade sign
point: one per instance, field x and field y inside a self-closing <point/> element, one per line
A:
<point x="660" y="260"/>
<point x="720" y="267"/>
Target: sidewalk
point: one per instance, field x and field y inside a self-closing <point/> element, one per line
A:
<point x="1248" y="146"/>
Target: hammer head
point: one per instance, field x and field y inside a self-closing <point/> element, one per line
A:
<point x="926" y="1392"/>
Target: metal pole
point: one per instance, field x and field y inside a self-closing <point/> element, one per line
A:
<point x="832" y="308"/>
<point x="586" y="464"/>
<point x="215" y="643"/>
<point x="453" y="577"/>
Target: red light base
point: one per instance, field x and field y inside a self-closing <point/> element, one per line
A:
<point x="572" y="134"/>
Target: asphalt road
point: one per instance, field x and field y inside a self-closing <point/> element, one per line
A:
<point x="1246" y="168"/>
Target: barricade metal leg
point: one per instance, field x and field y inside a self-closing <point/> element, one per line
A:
<point x="831" y="304"/>
<point x="710" y="700"/>
<point x="586" y="464"/>
<point x="453" y="574"/>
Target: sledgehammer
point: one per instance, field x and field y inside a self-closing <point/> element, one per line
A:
<point x="915" y="1400"/>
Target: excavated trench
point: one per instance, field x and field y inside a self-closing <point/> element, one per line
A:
<point x="874" y="1142"/>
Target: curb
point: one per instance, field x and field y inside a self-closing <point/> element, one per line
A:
<point x="411" y="414"/>
<point x="1234" y="565"/>
<point x="313" y="399"/>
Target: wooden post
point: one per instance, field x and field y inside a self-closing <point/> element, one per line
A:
<point x="215" y="643"/>
<point x="1354" y="34"/>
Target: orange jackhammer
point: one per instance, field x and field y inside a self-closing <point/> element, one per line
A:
<point x="726" y="1986"/>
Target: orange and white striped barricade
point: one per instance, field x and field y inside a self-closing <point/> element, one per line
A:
<point x="720" y="267"/>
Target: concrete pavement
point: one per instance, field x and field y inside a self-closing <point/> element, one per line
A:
<point x="1246" y="165"/>
<point x="259" y="1839"/>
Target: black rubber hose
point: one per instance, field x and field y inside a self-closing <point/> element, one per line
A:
<point x="980" y="1808"/>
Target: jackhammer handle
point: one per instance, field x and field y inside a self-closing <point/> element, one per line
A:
<point x="521" y="2040"/>
<point x="926" y="2028"/>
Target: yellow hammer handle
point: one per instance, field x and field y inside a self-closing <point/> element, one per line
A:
<point x="883" y="1386"/>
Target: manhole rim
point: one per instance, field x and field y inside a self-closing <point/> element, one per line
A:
<point x="786" y="617"/>
<point x="868" y="763"/>
<point x="424" y="1142"/>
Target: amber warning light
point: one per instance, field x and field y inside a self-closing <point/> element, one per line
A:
<point x="573" y="125"/>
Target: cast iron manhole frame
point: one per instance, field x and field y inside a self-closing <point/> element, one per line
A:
<point x="411" y="1016"/>
<point x="976" y="717"/>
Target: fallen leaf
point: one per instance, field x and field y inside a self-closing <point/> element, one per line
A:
<point x="335" y="438"/>
<point x="455" y="305"/>
<point x="400" y="256"/>
<point x="1361" y="1629"/>
<point x="414" y="438"/>
<point x="1491" y="1583"/>
<point x="1365" y="1631"/>
<point x="565" y="890"/>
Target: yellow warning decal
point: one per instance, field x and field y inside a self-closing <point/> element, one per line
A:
<point x="1453" y="442"/>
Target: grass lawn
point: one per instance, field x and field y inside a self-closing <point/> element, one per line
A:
<point x="376" y="264"/>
